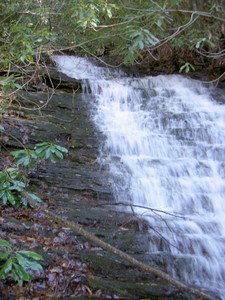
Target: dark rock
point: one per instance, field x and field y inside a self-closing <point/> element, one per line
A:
<point x="55" y="79"/>
<point x="82" y="189"/>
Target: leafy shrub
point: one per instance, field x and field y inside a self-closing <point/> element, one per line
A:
<point x="13" y="181"/>
<point x="43" y="151"/>
<point x="16" y="264"/>
<point x="11" y="184"/>
<point x="27" y="158"/>
<point x="50" y="151"/>
<point x="187" y="67"/>
<point x="9" y="83"/>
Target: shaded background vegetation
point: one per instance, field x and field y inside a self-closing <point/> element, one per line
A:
<point x="133" y="30"/>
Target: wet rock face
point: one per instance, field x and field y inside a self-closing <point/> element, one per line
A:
<point x="64" y="119"/>
<point x="80" y="188"/>
<point x="56" y="79"/>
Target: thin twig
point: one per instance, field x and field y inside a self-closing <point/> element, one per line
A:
<point x="78" y="229"/>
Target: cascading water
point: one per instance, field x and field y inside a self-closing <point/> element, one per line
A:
<point x="165" y="141"/>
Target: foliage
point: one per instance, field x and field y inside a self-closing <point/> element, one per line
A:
<point x="13" y="180"/>
<point x="16" y="264"/>
<point x="25" y="28"/>
<point x="42" y="151"/>
<point x="50" y="151"/>
<point x="186" y="68"/>
<point x="136" y="28"/>
<point x="127" y="27"/>
<point x="27" y="158"/>
<point x="9" y="83"/>
<point x="11" y="183"/>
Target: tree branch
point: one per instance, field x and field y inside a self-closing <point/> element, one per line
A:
<point x="78" y="229"/>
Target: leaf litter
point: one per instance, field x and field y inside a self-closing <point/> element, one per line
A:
<point x="63" y="275"/>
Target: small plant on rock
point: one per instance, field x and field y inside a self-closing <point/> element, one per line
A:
<point x="13" y="180"/>
<point x="17" y="264"/>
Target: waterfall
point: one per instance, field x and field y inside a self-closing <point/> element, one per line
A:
<point x="164" y="146"/>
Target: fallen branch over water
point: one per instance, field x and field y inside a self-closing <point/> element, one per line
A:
<point x="78" y="229"/>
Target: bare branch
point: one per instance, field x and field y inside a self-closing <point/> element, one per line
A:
<point x="77" y="228"/>
<point x="142" y="206"/>
<point x="215" y="55"/>
<point x="177" y="32"/>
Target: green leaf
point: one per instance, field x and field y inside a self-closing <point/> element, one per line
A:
<point x="34" y="197"/>
<point x="33" y="265"/>
<point x="4" y="243"/>
<point x="5" y="255"/>
<point x="4" y="199"/>
<point x="3" y="176"/>
<point x="52" y="148"/>
<point x="42" y="149"/>
<point x="48" y="153"/>
<point x="24" y="262"/>
<point x="17" y="185"/>
<point x="18" y="86"/>
<point x="61" y="149"/>
<point x="11" y="198"/>
<point x="23" y="161"/>
<point x="159" y="22"/>
<point x="17" y="153"/>
<point x="186" y="68"/>
<point x="109" y="12"/>
<point x="39" y="40"/>
<point x="21" y="260"/>
<point x="13" y="172"/>
<point x="6" y="268"/>
<point x="31" y="254"/>
<point x="153" y="40"/>
<point x="25" y="157"/>
<point x="14" y="274"/>
<point x="2" y="128"/>
<point x="141" y="45"/>
<point x="44" y="144"/>
<point x="58" y="155"/>
<point x="22" y="275"/>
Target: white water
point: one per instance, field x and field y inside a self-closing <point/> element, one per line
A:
<point x="165" y="142"/>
